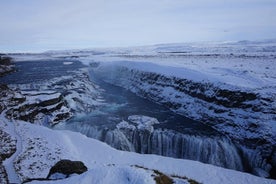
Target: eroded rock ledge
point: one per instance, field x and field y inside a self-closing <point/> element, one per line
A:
<point x="48" y="102"/>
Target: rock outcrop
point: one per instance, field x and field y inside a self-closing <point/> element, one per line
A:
<point x="44" y="101"/>
<point x="33" y="106"/>
<point x="6" y="65"/>
<point x="67" y="167"/>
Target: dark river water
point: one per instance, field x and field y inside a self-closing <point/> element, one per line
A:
<point x="40" y="70"/>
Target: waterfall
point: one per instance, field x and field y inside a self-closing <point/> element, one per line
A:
<point x="114" y="138"/>
<point x="212" y="150"/>
<point x="257" y="162"/>
<point x="218" y="151"/>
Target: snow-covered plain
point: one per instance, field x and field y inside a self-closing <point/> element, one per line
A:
<point x="42" y="147"/>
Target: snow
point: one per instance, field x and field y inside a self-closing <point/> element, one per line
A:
<point x="8" y="163"/>
<point x="57" y="176"/>
<point x="41" y="98"/>
<point x="139" y="121"/>
<point x="109" y="174"/>
<point x="38" y="92"/>
<point x="251" y="75"/>
<point x="67" y="63"/>
<point x="125" y="124"/>
<point x="106" y="164"/>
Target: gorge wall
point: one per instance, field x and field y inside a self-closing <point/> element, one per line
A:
<point x="247" y="117"/>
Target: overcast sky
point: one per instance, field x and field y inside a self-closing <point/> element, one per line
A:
<point x="39" y="25"/>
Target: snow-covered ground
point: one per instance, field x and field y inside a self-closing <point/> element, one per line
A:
<point x="43" y="147"/>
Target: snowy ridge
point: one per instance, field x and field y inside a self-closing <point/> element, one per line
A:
<point x="106" y="164"/>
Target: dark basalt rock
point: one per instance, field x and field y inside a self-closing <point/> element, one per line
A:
<point x="3" y="175"/>
<point x="67" y="167"/>
<point x="272" y="160"/>
<point x="6" y="65"/>
<point x="5" y="60"/>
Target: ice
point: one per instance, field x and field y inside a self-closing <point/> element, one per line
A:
<point x="67" y="63"/>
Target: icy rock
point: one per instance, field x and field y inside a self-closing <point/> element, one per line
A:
<point x="143" y="122"/>
<point x="33" y="105"/>
<point x="125" y="125"/>
<point x="49" y="101"/>
<point x="5" y="65"/>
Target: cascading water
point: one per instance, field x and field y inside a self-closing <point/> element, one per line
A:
<point x="216" y="151"/>
<point x="213" y="150"/>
